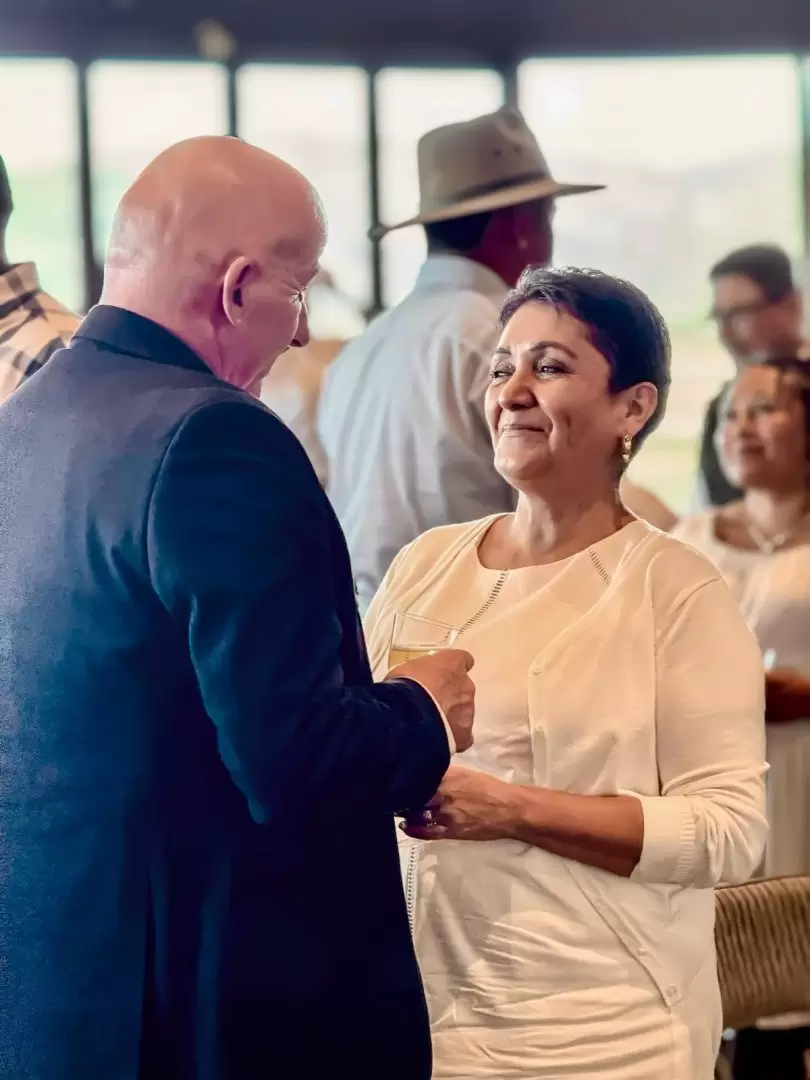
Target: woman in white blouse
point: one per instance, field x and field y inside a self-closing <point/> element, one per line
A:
<point x="761" y="545"/>
<point x="560" y="883"/>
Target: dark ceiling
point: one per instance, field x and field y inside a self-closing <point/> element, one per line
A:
<point x="384" y="31"/>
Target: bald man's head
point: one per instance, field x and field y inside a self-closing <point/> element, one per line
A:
<point x="218" y="241"/>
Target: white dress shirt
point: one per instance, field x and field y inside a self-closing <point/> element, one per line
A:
<point x="625" y="669"/>
<point x="402" y="417"/>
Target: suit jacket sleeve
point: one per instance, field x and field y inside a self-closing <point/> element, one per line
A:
<point x="242" y="553"/>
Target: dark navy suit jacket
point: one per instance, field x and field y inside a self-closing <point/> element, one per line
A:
<point x="198" y="871"/>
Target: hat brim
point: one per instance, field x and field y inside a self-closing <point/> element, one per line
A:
<point x="513" y="195"/>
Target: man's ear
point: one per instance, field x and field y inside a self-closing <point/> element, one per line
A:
<point x="233" y="289"/>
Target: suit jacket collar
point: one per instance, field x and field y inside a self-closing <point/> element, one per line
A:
<point x="125" y="332"/>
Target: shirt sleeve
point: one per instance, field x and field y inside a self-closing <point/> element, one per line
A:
<point x="708" y="825"/>
<point x="243" y="555"/>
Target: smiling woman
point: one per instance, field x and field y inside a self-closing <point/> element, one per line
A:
<point x="563" y="911"/>
<point x="584" y="358"/>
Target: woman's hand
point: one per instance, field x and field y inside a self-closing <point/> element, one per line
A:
<point x="602" y="831"/>
<point x="469" y="805"/>
<point x="787" y="696"/>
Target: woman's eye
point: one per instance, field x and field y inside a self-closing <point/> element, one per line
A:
<point x="550" y="367"/>
<point x="499" y="373"/>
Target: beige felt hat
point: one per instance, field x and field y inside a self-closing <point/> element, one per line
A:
<point x="479" y="165"/>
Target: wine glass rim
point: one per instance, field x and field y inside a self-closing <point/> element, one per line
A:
<point x="425" y="619"/>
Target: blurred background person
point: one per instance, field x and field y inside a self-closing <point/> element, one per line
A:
<point x="563" y="912"/>
<point x="761" y="545"/>
<point x="758" y="311"/>
<point x="32" y="324"/>
<point x="401" y="415"/>
<point x="293" y="387"/>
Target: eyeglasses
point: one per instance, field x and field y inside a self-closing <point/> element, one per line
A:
<point x="741" y="311"/>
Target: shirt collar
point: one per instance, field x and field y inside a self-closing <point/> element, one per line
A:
<point x="458" y="272"/>
<point x="17" y="283"/>
<point x="125" y="332"/>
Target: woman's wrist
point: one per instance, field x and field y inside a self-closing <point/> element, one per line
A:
<point x="524" y="812"/>
<point x="602" y="831"/>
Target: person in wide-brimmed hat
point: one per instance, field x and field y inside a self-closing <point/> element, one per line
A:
<point x="401" y="416"/>
<point x="480" y="166"/>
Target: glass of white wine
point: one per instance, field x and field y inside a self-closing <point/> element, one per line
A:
<point x="414" y="635"/>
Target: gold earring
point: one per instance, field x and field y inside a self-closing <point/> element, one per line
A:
<point x="627" y="449"/>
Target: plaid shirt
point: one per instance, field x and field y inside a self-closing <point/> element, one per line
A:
<point x="32" y="326"/>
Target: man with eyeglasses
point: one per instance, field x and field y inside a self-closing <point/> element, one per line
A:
<point x="757" y="309"/>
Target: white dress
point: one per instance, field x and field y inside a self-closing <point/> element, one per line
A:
<point x="513" y="974"/>
<point x="773" y="592"/>
<point x="537" y="968"/>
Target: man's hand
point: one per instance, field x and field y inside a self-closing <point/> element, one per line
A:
<point x="444" y="675"/>
<point x="787" y="696"/>
<point x="469" y="805"/>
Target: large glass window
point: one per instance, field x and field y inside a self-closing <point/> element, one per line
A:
<point x="315" y="118"/>
<point x="40" y="147"/>
<point x="701" y="155"/>
<point x="410" y="102"/>
<point x="137" y="109"/>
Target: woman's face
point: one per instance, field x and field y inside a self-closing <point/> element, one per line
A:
<point x="762" y="431"/>
<point x="548" y="404"/>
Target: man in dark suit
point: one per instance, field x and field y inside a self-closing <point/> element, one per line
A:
<point x="198" y="872"/>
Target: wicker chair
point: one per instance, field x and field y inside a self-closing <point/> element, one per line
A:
<point x="763" y="950"/>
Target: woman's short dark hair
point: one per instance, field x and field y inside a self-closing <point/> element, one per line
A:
<point x="622" y="323"/>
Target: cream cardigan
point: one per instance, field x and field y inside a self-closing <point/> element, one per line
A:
<point x="646" y="682"/>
